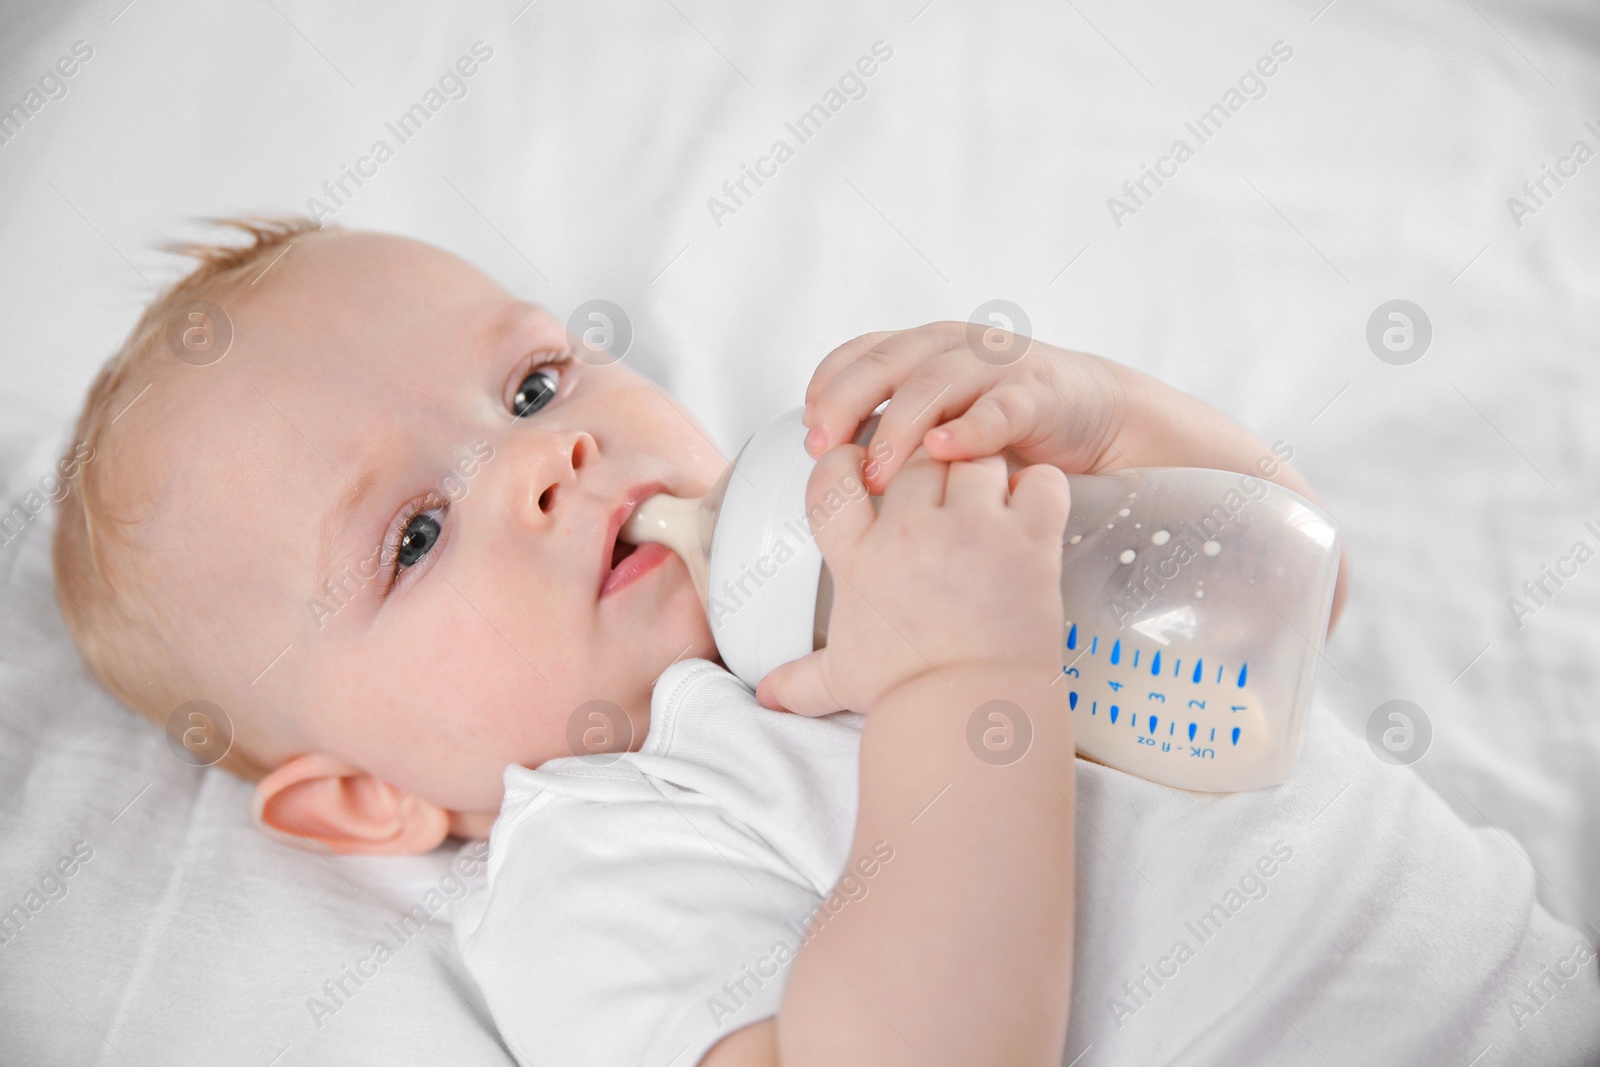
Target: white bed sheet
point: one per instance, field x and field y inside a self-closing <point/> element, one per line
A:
<point x="977" y="165"/>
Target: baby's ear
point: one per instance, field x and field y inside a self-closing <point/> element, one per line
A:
<point x="318" y="800"/>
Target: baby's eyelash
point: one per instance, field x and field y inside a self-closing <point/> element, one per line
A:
<point x="544" y="359"/>
<point x="563" y="360"/>
<point x="397" y="530"/>
<point x="389" y="550"/>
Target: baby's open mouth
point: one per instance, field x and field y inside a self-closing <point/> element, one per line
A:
<point x="620" y="551"/>
<point x="622" y="561"/>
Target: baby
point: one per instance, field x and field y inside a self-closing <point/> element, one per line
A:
<point x="275" y="532"/>
<point x="353" y="493"/>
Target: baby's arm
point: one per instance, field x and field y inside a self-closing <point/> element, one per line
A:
<point x="945" y="603"/>
<point x="962" y="951"/>
<point x="1075" y="411"/>
<point x="1163" y="427"/>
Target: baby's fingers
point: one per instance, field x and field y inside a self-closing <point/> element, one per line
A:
<point x="799" y="686"/>
<point x="866" y="378"/>
<point x="1002" y="417"/>
<point x="976" y="482"/>
<point x="1042" y="494"/>
<point x="837" y="505"/>
<point x="943" y="386"/>
<point x="836" y="361"/>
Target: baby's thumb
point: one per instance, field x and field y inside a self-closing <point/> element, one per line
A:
<point x="798" y="686"/>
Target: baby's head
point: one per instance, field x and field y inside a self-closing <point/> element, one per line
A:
<point x="375" y="532"/>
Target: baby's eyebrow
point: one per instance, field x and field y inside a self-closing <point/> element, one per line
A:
<point x="337" y="521"/>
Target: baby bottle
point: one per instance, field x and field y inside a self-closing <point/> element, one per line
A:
<point x="1196" y="602"/>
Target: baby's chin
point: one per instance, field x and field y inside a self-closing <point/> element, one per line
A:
<point x="682" y="612"/>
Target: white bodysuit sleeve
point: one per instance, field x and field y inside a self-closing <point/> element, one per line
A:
<point x="630" y="917"/>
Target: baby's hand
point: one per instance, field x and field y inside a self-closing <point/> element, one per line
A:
<point x="1031" y="401"/>
<point x="1044" y="404"/>
<point x="960" y="567"/>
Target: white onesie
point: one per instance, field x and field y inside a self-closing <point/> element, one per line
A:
<point x="642" y="906"/>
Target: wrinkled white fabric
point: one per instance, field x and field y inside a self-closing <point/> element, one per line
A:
<point x="979" y="164"/>
<point x="642" y="906"/>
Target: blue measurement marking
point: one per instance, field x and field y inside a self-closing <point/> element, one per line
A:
<point x="1242" y="671"/>
<point x="1152" y="724"/>
<point x="1198" y="664"/>
<point x="1172" y="728"/>
<point x="1094" y="644"/>
<point x="1192" y="729"/>
<point x="1094" y="705"/>
<point x="1072" y="637"/>
<point x="1175" y="667"/>
<point x="1136" y="657"/>
<point x="1114" y="710"/>
<point x="1155" y="664"/>
<point x="1116" y="652"/>
<point x="1236" y="735"/>
<point x="1219" y="674"/>
<point x="1213" y="736"/>
<point x="1072" y="700"/>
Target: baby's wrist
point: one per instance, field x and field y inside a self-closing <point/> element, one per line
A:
<point x="1154" y="424"/>
<point x="1103" y="394"/>
<point x="972" y="683"/>
<point x="977" y="724"/>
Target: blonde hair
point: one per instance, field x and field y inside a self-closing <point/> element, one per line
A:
<point x="131" y="643"/>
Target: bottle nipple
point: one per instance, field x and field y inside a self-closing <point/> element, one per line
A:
<point x="682" y="524"/>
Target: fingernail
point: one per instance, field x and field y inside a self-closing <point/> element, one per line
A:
<point x="814" y="441"/>
<point x="871" y="469"/>
<point x="942" y="436"/>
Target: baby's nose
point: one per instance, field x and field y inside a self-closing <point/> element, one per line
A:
<point x="554" y="469"/>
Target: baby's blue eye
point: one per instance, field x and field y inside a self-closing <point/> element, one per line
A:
<point x="535" y="392"/>
<point x="417" y="539"/>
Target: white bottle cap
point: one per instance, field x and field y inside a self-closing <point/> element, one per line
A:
<point x="765" y="563"/>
